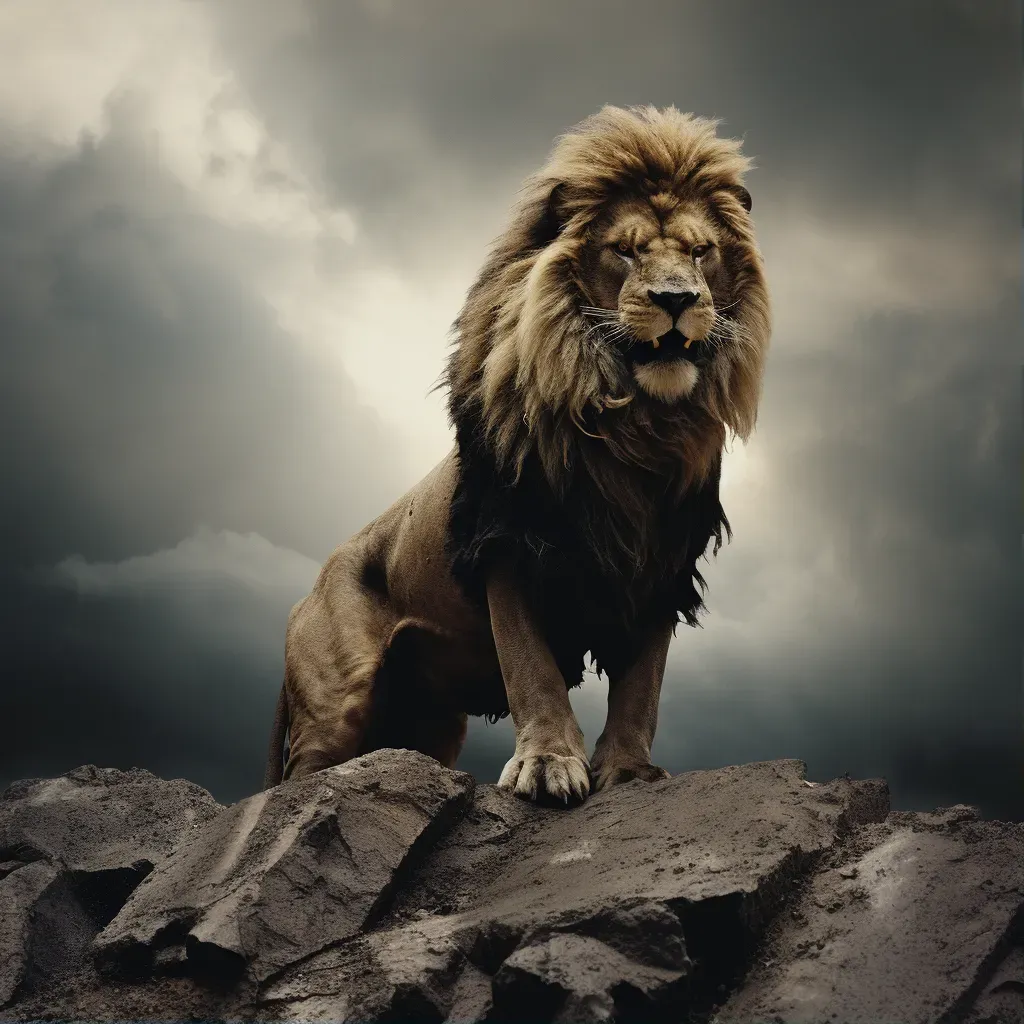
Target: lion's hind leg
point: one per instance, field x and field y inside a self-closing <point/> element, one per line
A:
<point x="412" y="706"/>
<point x="333" y="653"/>
<point x="438" y="733"/>
<point x="441" y="736"/>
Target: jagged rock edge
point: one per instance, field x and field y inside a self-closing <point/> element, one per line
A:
<point x="1011" y="937"/>
<point x="437" y="827"/>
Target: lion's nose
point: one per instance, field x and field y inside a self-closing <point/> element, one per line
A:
<point x="673" y="302"/>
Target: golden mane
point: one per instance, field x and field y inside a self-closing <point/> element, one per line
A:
<point x="526" y="365"/>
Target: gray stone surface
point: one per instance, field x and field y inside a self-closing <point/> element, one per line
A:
<point x="629" y="871"/>
<point x="284" y="874"/>
<point x="403" y="973"/>
<point x="71" y="851"/>
<point x="904" y="925"/>
<point x="390" y="890"/>
<point x="567" y="977"/>
<point x="19" y="892"/>
<point x="694" y="837"/>
<point x="93" y="819"/>
<point x="472" y="999"/>
<point x="999" y="998"/>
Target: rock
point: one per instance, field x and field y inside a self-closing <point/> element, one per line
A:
<point x="567" y="977"/>
<point x="18" y="895"/>
<point x="276" y="878"/>
<point x="419" y="965"/>
<point x="97" y="819"/>
<point x="644" y="869"/>
<point x="71" y="851"/>
<point x="1000" y="997"/>
<point x="394" y="974"/>
<point x="389" y="889"/>
<point x="471" y="998"/>
<point x="646" y="932"/>
<point x="694" y="837"/>
<point x="908" y="934"/>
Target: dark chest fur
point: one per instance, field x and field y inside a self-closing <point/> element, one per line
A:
<point x="590" y="592"/>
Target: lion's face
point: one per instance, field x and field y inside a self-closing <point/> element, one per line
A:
<point x="654" y="274"/>
<point x="625" y="302"/>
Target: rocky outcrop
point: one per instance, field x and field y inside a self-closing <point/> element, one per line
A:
<point x="281" y="876"/>
<point x="71" y="852"/>
<point x="907" y="918"/>
<point x="392" y="889"/>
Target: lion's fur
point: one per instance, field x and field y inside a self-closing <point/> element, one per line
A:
<point x="526" y="364"/>
<point x="601" y="496"/>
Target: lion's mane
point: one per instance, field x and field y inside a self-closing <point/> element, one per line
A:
<point x="604" y="496"/>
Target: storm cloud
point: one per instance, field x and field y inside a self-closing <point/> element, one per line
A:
<point x="234" y="237"/>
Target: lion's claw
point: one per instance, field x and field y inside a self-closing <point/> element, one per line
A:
<point x="544" y="777"/>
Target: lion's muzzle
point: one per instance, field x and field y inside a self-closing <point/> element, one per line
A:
<point x="669" y="346"/>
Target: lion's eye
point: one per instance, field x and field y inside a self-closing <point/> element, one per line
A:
<point x="700" y="250"/>
<point x="624" y="249"/>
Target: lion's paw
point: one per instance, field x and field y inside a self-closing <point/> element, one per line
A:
<point x="547" y="777"/>
<point x="613" y="774"/>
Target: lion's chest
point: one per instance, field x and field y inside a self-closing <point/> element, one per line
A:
<point x="582" y="609"/>
<point x="578" y="560"/>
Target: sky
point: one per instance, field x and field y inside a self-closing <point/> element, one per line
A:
<point x="234" y="236"/>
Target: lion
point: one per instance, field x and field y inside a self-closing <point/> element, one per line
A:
<point x="614" y="338"/>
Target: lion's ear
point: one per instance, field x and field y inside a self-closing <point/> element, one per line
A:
<point x="551" y="218"/>
<point x="742" y="195"/>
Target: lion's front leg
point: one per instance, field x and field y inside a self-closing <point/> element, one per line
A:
<point x="550" y="758"/>
<point x="623" y="750"/>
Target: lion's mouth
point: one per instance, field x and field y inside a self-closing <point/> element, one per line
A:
<point x="670" y="346"/>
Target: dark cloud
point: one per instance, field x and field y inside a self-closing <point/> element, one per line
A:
<point x="148" y="388"/>
<point x="866" y="616"/>
<point x="147" y="391"/>
<point x="138" y="680"/>
<point x="405" y="105"/>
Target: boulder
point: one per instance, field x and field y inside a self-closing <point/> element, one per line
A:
<point x="906" y="923"/>
<point x="72" y="849"/>
<point x="99" y="819"/>
<point x="391" y="889"/>
<point x="19" y="893"/>
<point x="647" y="877"/>
<point x="570" y="977"/>
<point x="280" y="876"/>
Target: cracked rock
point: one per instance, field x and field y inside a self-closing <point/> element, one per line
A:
<point x="277" y="877"/>
<point x="95" y="819"/>
<point x="403" y="974"/>
<point x="627" y="874"/>
<point x="18" y="895"/>
<point x="71" y="851"/>
<point x="471" y="998"/>
<point x="389" y="890"/>
<point x="911" y="934"/>
<point x="574" y="978"/>
<point x="727" y="842"/>
<point x="999" y="998"/>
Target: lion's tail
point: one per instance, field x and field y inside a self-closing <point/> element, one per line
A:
<point x="275" y="754"/>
